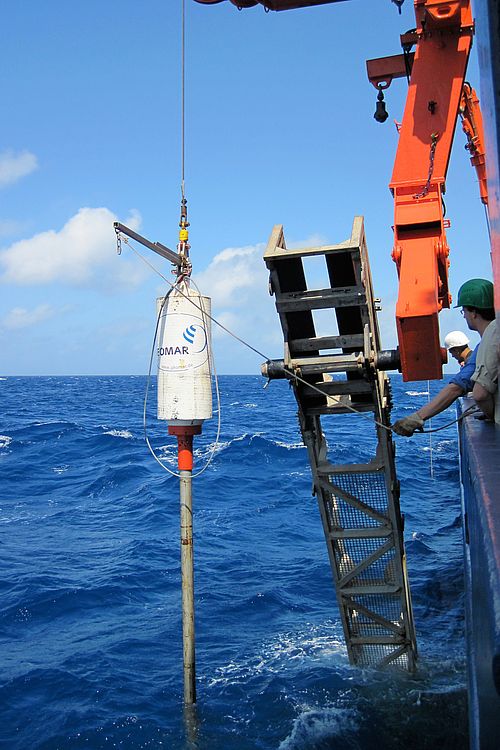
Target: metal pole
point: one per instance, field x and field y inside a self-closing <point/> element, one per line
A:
<point x="184" y="435"/>
<point x="156" y="247"/>
<point x="187" y="572"/>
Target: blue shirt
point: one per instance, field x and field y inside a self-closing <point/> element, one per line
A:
<point x="463" y="378"/>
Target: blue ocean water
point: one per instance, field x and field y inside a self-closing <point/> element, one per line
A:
<point x="90" y="621"/>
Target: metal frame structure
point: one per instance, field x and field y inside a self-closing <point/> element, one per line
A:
<point x="358" y="503"/>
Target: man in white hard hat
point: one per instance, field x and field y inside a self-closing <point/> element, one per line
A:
<point x="457" y="344"/>
<point x="476" y="299"/>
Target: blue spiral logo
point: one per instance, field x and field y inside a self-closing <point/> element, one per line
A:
<point x="189" y="334"/>
<point x="195" y="334"/>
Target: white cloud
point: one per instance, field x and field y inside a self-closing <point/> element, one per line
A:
<point x="234" y="276"/>
<point x="15" y="166"/>
<point x="82" y="253"/>
<point x="237" y="282"/>
<point x="19" y="317"/>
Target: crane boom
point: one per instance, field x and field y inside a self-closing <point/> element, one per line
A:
<point x="420" y="250"/>
<point x="437" y="94"/>
<point x="273" y="4"/>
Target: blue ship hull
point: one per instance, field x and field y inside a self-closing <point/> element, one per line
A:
<point x="480" y="477"/>
<point x="480" y="446"/>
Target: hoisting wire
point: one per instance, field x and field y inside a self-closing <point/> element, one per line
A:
<point x="183" y="93"/>
<point x="291" y="375"/>
<point x="183" y="220"/>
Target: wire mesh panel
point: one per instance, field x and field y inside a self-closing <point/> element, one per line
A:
<point x="368" y="488"/>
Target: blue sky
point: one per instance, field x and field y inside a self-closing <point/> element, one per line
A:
<point x="279" y="129"/>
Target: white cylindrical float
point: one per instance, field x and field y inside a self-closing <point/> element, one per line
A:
<point x="184" y="341"/>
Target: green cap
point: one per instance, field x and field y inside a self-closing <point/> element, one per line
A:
<point x="476" y="293"/>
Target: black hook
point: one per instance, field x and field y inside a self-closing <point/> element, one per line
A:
<point x="381" y="113"/>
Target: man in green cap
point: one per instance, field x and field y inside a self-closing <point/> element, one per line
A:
<point x="476" y="299"/>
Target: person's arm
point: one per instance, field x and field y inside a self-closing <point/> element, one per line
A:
<point x="439" y="403"/>
<point x="484" y="399"/>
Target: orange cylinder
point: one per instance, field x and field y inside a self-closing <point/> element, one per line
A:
<point x="184" y="435"/>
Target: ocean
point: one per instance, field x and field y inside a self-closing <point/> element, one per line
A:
<point x="90" y="616"/>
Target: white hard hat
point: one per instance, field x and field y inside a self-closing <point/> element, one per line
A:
<point x="455" y="338"/>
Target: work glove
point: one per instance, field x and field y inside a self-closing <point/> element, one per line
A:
<point x="408" y="425"/>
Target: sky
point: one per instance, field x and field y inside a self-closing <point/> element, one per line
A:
<point x="279" y="129"/>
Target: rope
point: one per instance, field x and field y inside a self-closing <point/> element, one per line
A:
<point x="467" y="413"/>
<point x="431" y="466"/>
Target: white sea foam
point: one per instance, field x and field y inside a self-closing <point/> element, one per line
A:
<point x="417" y="393"/>
<point x="315" y="725"/>
<point x="438" y="447"/>
<point x="168" y="455"/>
<point x="119" y="433"/>
<point x="211" y="449"/>
<point x="205" y="451"/>
<point x="286" y="649"/>
<point x="289" y="446"/>
<point x="5" y="441"/>
<point x="3" y="378"/>
<point x="60" y="469"/>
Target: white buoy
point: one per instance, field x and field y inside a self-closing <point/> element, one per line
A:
<point x="184" y="341"/>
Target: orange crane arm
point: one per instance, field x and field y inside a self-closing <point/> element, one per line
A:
<point x="436" y="96"/>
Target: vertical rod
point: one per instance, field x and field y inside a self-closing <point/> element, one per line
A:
<point x="430" y="435"/>
<point x="187" y="573"/>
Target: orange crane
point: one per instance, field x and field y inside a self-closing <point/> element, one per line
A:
<point x="437" y="95"/>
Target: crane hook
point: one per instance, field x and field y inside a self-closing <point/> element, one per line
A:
<point x="381" y="113"/>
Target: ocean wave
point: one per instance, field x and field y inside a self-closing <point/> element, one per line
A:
<point x="417" y="393"/>
<point x="317" y="643"/>
<point x="246" y="440"/>
<point x="321" y="725"/>
<point x="289" y="446"/>
<point x="119" y="433"/>
<point x="440" y="446"/>
<point x="99" y="614"/>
